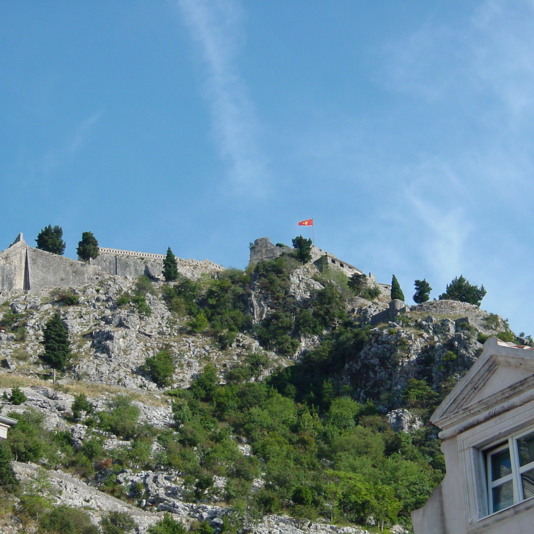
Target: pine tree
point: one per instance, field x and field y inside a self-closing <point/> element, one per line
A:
<point x="422" y="291"/>
<point x="396" y="291"/>
<point x="302" y="249"/>
<point x="87" y="247"/>
<point x="51" y="239"/>
<point x="170" y="269"/>
<point x="56" y="342"/>
<point x="460" y="289"/>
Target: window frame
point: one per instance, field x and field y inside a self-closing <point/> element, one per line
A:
<point x="515" y="476"/>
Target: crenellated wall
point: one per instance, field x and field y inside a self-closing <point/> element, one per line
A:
<point x="25" y="268"/>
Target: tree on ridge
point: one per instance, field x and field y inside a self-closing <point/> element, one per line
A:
<point x="170" y="269"/>
<point x="50" y="239"/>
<point x="302" y="249"/>
<point x="422" y="291"/>
<point x="396" y="291"/>
<point x="460" y="289"/>
<point x="87" y="247"/>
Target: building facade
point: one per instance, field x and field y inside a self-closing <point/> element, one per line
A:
<point x="487" y="428"/>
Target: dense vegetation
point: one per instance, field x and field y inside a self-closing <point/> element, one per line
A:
<point x="305" y="440"/>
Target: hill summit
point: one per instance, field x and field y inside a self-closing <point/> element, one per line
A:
<point x="273" y="399"/>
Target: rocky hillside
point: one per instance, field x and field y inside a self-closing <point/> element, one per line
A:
<point x="254" y="401"/>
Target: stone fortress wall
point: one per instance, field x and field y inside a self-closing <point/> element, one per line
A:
<point x="26" y="268"/>
<point x="128" y="263"/>
<point x="23" y="268"/>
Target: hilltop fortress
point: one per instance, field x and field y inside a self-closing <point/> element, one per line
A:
<point x="27" y="268"/>
<point x="263" y="249"/>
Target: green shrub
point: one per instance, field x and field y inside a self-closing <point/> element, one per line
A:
<point x="17" y="396"/>
<point x="506" y="336"/>
<point x="143" y="285"/>
<point x="27" y="439"/>
<point x="139" y="301"/>
<point x="66" y="520"/>
<point x="371" y="293"/>
<point x="251" y="368"/>
<point x="137" y="298"/>
<point x="167" y="525"/>
<point x="160" y="368"/>
<point x="81" y="405"/>
<point x="482" y="338"/>
<point x="66" y="298"/>
<point x="117" y="523"/>
<point x="123" y="299"/>
<point x="121" y="417"/>
<point x="182" y="297"/>
<point x="302" y="495"/>
<point x="199" y="323"/>
<point x="357" y="283"/>
<point x="418" y="393"/>
<point x="492" y="321"/>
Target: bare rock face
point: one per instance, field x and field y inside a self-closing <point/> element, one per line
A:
<point x="302" y="284"/>
<point x="402" y="420"/>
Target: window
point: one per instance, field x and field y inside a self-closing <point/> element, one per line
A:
<point x="510" y="472"/>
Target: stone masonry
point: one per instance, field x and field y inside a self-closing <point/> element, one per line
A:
<point x="26" y="268"/>
<point x="263" y="249"/>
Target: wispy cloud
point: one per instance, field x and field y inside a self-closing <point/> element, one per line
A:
<point x="444" y="224"/>
<point x="216" y="26"/>
<point x="502" y="48"/>
<point x="56" y="156"/>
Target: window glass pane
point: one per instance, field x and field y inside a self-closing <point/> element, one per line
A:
<point x="503" y="496"/>
<point x="500" y="464"/>
<point x="527" y="481"/>
<point x="525" y="447"/>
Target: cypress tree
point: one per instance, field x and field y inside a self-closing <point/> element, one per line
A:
<point x="87" y="247"/>
<point x="56" y="343"/>
<point x="170" y="269"/>
<point x="396" y="291"/>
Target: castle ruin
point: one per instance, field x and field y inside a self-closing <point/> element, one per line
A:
<point x="263" y="249"/>
<point x="25" y="268"/>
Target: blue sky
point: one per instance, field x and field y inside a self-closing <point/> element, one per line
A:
<point x="403" y="128"/>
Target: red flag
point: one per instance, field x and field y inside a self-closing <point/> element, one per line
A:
<point x="307" y="222"/>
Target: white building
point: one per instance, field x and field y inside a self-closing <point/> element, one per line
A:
<point x="5" y="423"/>
<point x="487" y="428"/>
